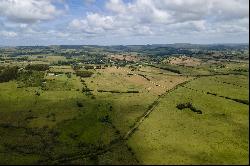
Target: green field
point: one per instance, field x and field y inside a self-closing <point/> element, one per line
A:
<point x="54" y="113"/>
<point x="217" y="136"/>
<point x="57" y="121"/>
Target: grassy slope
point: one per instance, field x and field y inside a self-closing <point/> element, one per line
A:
<point x="223" y="85"/>
<point x="51" y="128"/>
<point x="171" y="136"/>
<point x="210" y="68"/>
<point x="22" y="110"/>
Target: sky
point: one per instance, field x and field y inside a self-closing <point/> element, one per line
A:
<point x="123" y="22"/>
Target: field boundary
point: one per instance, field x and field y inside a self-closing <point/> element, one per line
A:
<point x="241" y="101"/>
<point x="151" y="109"/>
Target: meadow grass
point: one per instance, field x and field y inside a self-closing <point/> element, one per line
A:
<point x="171" y="136"/>
<point x="54" y="121"/>
<point x="58" y="123"/>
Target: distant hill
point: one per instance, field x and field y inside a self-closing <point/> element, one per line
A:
<point x="150" y="50"/>
<point x="147" y="47"/>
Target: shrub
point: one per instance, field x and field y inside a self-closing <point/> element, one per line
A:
<point x="132" y="91"/>
<point x="105" y="119"/>
<point x="37" y="93"/>
<point x="73" y="136"/>
<point x="214" y="94"/>
<point x="84" y="73"/>
<point x="79" y="104"/>
<point x="68" y="75"/>
<point x="8" y="73"/>
<point x="76" y="67"/>
<point x="31" y="78"/>
<point x="89" y="67"/>
<point x="188" y="105"/>
<point x="242" y="101"/>
<point x="37" y="67"/>
<point x="86" y="89"/>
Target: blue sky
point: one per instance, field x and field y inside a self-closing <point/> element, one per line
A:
<point x="116" y="22"/>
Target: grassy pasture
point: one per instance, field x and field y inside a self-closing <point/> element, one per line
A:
<point x="217" y="136"/>
<point x="127" y="107"/>
<point x="57" y="123"/>
<point x="47" y="58"/>
<point x="232" y="86"/>
<point x="209" y="68"/>
<point x="79" y="128"/>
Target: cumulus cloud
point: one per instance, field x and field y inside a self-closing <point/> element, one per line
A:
<point x="116" y="6"/>
<point x="28" y="11"/>
<point x="229" y="10"/>
<point x="165" y="15"/>
<point x="94" y="23"/>
<point x="8" y="34"/>
<point x="123" y="19"/>
<point x="172" y="11"/>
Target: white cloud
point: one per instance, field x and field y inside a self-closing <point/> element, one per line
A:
<point x="116" y="6"/>
<point x="162" y="16"/>
<point x="172" y="11"/>
<point x="8" y="34"/>
<point x="28" y="11"/>
<point x="156" y="20"/>
<point x="94" y="23"/>
<point x="229" y="9"/>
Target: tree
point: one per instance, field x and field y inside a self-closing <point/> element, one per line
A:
<point x="37" y="67"/>
<point x="84" y="73"/>
<point x="8" y="73"/>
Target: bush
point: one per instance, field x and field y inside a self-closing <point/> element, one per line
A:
<point x="30" y="78"/>
<point x="111" y="108"/>
<point x="37" y="67"/>
<point x="84" y="73"/>
<point x="8" y="73"/>
<point x="105" y="119"/>
<point x="76" y="67"/>
<point x="79" y="104"/>
<point x="89" y="67"/>
<point x="188" y="105"/>
<point x="214" y="94"/>
<point x="37" y="94"/>
<point x="68" y="75"/>
<point x="86" y="89"/>
<point x="132" y="91"/>
<point x="241" y="101"/>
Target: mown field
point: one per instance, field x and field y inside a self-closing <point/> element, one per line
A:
<point x="212" y="129"/>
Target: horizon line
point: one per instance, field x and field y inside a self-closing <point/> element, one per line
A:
<point x="240" y="43"/>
